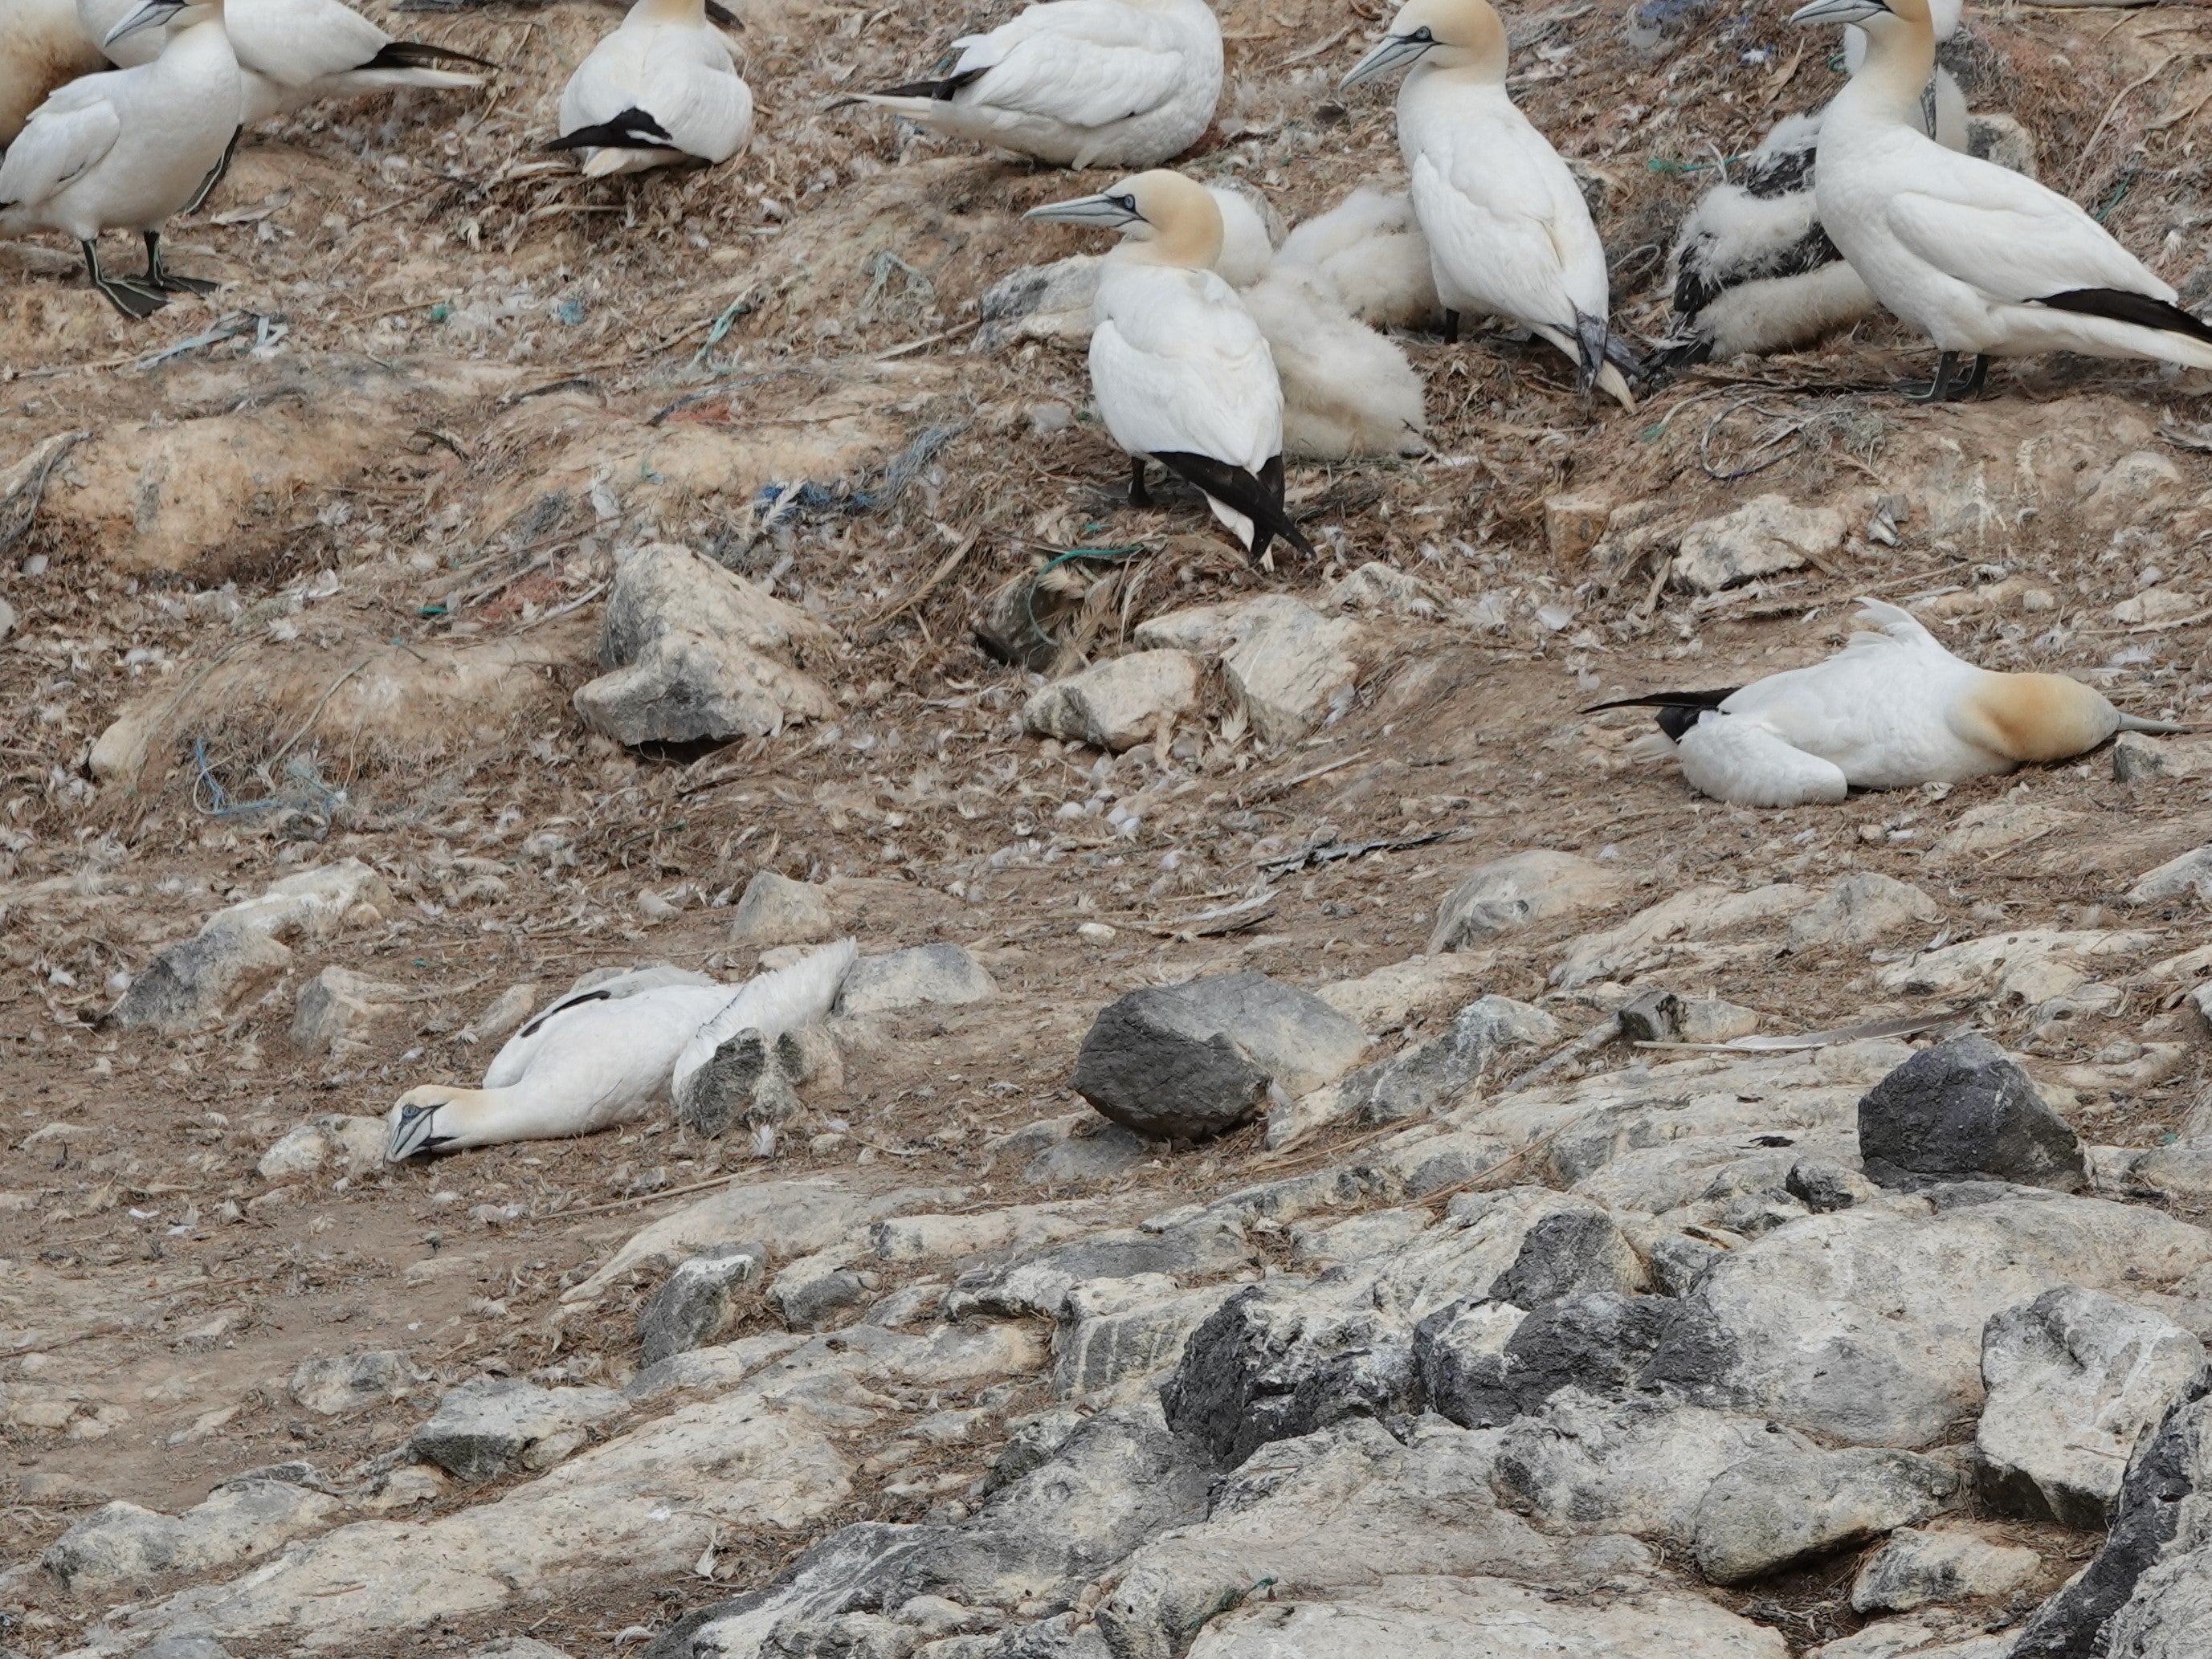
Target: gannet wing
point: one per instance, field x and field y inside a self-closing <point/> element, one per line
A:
<point x="706" y="112"/>
<point x="2010" y="238"/>
<point x="515" y="1054"/>
<point x="298" y="42"/>
<point x="1188" y="372"/>
<point x="71" y="131"/>
<point x="1504" y="225"/>
<point x="1084" y="62"/>
<point x="1740" y="762"/>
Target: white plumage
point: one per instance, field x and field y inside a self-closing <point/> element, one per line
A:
<point x="1348" y="391"/>
<point x="41" y="48"/>
<point x="662" y="88"/>
<point x="1979" y="258"/>
<point x="770" y="1003"/>
<point x="125" y="149"/>
<point x="1892" y="709"/>
<point x="514" y="1056"/>
<point x="1508" y="230"/>
<point x="1250" y="230"/>
<point x="1368" y="251"/>
<point x="1119" y="83"/>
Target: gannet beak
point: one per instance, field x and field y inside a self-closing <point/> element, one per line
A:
<point x="1391" y="53"/>
<point x="1837" y="11"/>
<point x="153" y="13"/>
<point x="414" y="1129"/>
<point x="2154" y="728"/>
<point x="1111" y="211"/>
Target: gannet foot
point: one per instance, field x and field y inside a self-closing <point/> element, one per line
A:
<point x="161" y="281"/>
<point x="1138" y="494"/>
<point x="125" y="294"/>
<point x="1948" y="386"/>
<point x="1451" y="328"/>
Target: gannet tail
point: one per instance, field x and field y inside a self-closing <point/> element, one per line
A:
<point x="1678" y="710"/>
<point x="1257" y="497"/>
<point x="631" y="130"/>
<point x="419" y="55"/>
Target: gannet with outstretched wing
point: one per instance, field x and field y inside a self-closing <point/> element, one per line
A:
<point x="663" y="88"/>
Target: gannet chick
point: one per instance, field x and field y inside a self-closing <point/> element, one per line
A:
<point x="1346" y="390"/>
<point x="1369" y="252"/>
<point x="595" y="1064"/>
<point x="1081" y="83"/>
<point x="1182" y="372"/>
<point x="1250" y="230"/>
<point x="292" y="52"/>
<point x="1508" y="230"/>
<point x="662" y="88"/>
<point x="1753" y="270"/>
<point x="41" y="48"/>
<point x="125" y="149"/>
<point x="1977" y="258"/>
<point x="1891" y="710"/>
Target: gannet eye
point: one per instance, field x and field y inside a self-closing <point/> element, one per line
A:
<point x="1422" y="35"/>
<point x="1126" y="204"/>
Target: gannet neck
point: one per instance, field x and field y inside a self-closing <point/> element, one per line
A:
<point x="1900" y="57"/>
<point x="1474" y="53"/>
<point x="2034" y="718"/>
<point x="691" y="12"/>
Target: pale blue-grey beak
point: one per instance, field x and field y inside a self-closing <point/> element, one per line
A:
<point x="1391" y="53"/>
<point x="1111" y="211"/>
<point x="413" y="1130"/>
<point x="149" y="16"/>
<point x="1837" y="11"/>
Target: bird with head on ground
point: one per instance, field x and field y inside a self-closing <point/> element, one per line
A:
<point x="1984" y="262"/>
<point x="1892" y="710"/>
<point x="1080" y="83"/>
<point x="1181" y="374"/>
<point x="126" y="149"/>
<point x="662" y="89"/>
<point x="1508" y="230"/>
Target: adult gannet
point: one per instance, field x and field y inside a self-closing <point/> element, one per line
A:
<point x="1891" y="710"/>
<point x="1182" y="372"/>
<point x="1369" y="252"/>
<point x="125" y="149"/>
<point x="1754" y="271"/>
<point x="1082" y="83"/>
<point x="592" y="1062"/>
<point x="292" y="52"/>
<point x="1508" y="232"/>
<point x="662" y="88"/>
<point x="40" y="48"/>
<point x="1979" y="258"/>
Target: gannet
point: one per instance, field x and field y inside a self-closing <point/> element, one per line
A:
<point x="1182" y="372"/>
<point x="1753" y="270"/>
<point x="770" y="1003"/>
<point x="41" y="48"/>
<point x="125" y="149"/>
<point x="292" y="52"/>
<point x="1369" y="252"/>
<point x="1082" y="83"/>
<point x="1891" y="710"/>
<point x="1980" y="259"/>
<point x="662" y="88"/>
<point x="1347" y="390"/>
<point x="593" y="1063"/>
<point x="1508" y="230"/>
<point x="514" y="1056"/>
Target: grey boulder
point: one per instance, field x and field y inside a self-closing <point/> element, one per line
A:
<point x="926" y="974"/>
<point x="1916" y="1568"/>
<point x="1432" y="1076"/>
<point x="1517" y="891"/>
<point x="697" y="1302"/>
<point x="1963" y="1110"/>
<point x="338" y="1385"/>
<point x="498" y="1425"/>
<point x="121" y="1543"/>
<point x="1769" y="1512"/>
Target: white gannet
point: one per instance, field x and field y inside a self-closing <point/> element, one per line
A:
<point x="1980" y="259"/>
<point x="292" y="52"/>
<point x="662" y="88"/>
<point x="1369" y="252"/>
<point x="1347" y="390"/>
<point x="593" y="1063"/>
<point x="126" y="149"/>
<point x="770" y="1003"/>
<point x="1753" y="270"/>
<point x="41" y="48"/>
<point x="1182" y="372"/>
<point x="514" y="1056"/>
<point x="1082" y="83"/>
<point x="1508" y="230"/>
<point x="1891" y="710"/>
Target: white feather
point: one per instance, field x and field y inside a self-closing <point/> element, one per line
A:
<point x="1251" y="228"/>
<point x="514" y="1056"/>
<point x="1346" y="390"/>
<point x="1370" y="252"/>
<point x="771" y="1004"/>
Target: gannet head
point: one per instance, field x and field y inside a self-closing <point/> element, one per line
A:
<point x="1448" y="33"/>
<point x="1176" y="219"/>
<point x="413" y="1125"/>
<point x="2040" y="718"/>
<point x="153" y="15"/>
<point x="1874" y="16"/>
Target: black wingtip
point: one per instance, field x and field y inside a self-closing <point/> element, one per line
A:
<point x="419" y="55"/>
<point x="631" y="130"/>
<point x="1699" y="700"/>
<point x="2120" y="306"/>
<point x="1259" y="498"/>
<point x="941" y="91"/>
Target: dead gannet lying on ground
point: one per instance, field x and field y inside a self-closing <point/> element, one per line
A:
<point x="1982" y="260"/>
<point x="1181" y="374"/>
<point x="1082" y="83"/>
<point x="1508" y="230"/>
<point x="1891" y="710"/>
<point x="126" y="149"/>
<point x="662" y="88"/>
<point x="1753" y="270"/>
<point x="41" y="48"/>
<point x="601" y="1057"/>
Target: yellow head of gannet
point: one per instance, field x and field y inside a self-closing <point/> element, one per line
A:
<point x="1445" y="34"/>
<point x="433" y="1118"/>
<point x="1165" y="219"/>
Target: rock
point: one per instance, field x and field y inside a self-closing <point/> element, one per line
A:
<point x="1119" y="703"/>
<point x="2131" y="489"/>
<point x="1516" y="891"/>
<point x="517" y="1647"/>
<point x="1081" y="1147"/>
<point x="813" y="1288"/>
<point x="2136" y="758"/>
<point x="1420" y="989"/>
<point x="1573" y="523"/>
<point x="697" y="1303"/>
<point x="2002" y="139"/>
<point x="2032" y="966"/>
<point x="121" y="1543"/>
<point x="351" y="1145"/>
<point x="1714" y="1019"/>
<point x="1646" y="940"/>
<point x="1824" y="1187"/>
<point x="777" y="910"/>
<point x="1651" y="1016"/>
<point x="7" y="620"/>
<point x="2189" y="876"/>
<point x="1037" y="1283"/>
<point x="335" y="1009"/>
<point x="1041" y="303"/>
<point x="508" y="1010"/>
<point x="1122" y="1329"/>
<point x="1963" y="1110"/>
<point x="1570" y="1253"/>
<point x="1598" y="1343"/>
<point x="1289" y="667"/>
<point x="2076" y="1379"/>
<point x="1859" y="909"/>
<point x="1185" y="1062"/>
<point x="341" y="1384"/>
<point x="911" y="979"/>
<point x="1425" y="1080"/>
<point x="686" y="688"/>
<point x="185" y="1647"/>
<point x="497" y="1425"/>
<point x="1916" y="1568"/>
<point x="1765" y="535"/>
<point x="1767" y="1513"/>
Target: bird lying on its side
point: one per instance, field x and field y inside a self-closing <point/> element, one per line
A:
<point x="663" y="88"/>
<point x="602" y="1056"/>
<point x="41" y="48"/>
<point x="1081" y="83"/>
<point x="1182" y="375"/>
<point x="1891" y="710"/>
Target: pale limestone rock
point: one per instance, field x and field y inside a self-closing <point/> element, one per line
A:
<point x="1118" y="703"/>
<point x="1764" y="537"/>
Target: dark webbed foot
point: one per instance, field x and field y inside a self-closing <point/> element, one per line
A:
<point x="163" y="281"/>
<point x="125" y="294"/>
